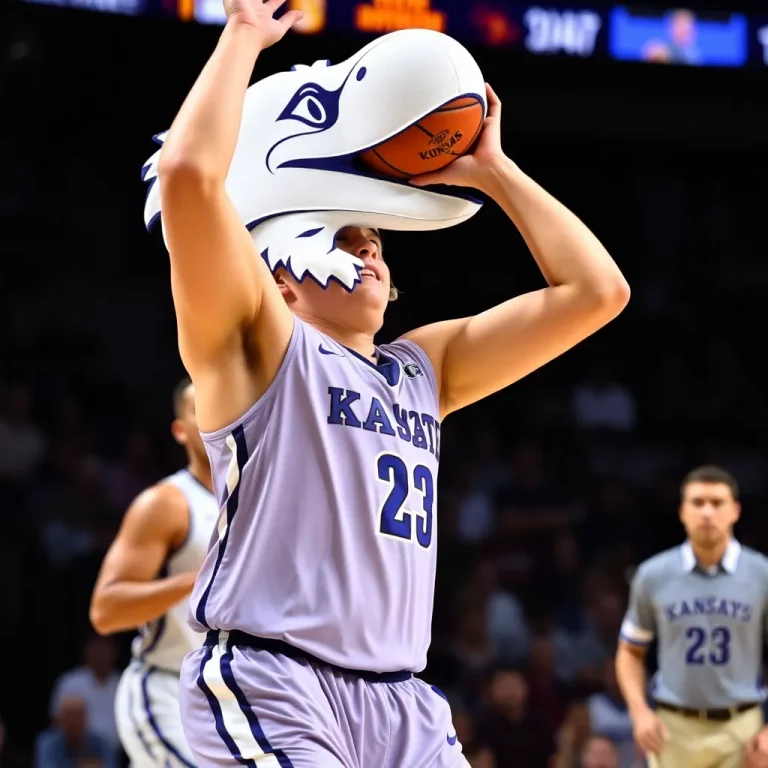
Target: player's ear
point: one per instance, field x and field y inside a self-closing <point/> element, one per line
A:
<point x="178" y="432"/>
<point x="284" y="286"/>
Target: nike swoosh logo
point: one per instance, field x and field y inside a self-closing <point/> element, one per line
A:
<point x="451" y="739"/>
<point x="324" y="351"/>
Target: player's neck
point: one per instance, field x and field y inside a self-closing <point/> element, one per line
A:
<point x="201" y="471"/>
<point x="358" y="341"/>
<point x="708" y="558"/>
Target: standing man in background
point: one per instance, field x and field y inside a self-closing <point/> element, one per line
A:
<point x="707" y="603"/>
<point x="145" y="582"/>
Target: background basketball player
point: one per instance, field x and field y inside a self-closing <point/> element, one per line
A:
<point x="318" y="594"/>
<point x="144" y="583"/>
<point x="707" y="603"/>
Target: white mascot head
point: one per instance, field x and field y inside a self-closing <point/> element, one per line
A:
<point x="295" y="177"/>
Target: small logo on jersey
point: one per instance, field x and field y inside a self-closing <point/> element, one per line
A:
<point x="451" y="739"/>
<point x="324" y="351"/>
<point x="412" y="370"/>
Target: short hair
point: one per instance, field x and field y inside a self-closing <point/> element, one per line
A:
<point x="178" y="396"/>
<point x="710" y="473"/>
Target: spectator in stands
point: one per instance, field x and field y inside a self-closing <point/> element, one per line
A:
<point x="609" y="717"/>
<point x="573" y="737"/>
<point x="95" y="684"/>
<point x="506" y="625"/>
<point x="22" y="442"/>
<point x="581" y="654"/>
<point x="531" y="499"/>
<point x="508" y="728"/>
<point x="477" y="754"/>
<point x="476" y="512"/>
<point x="70" y="743"/>
<point x="602" y="402"/>
<point x="546" y="695"/>
<point x="473" y="652"/>
<point x="600" y="752"/>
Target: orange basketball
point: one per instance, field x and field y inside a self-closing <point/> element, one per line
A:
<point x="433" y="142"/>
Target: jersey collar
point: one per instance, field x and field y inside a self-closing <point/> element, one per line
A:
<point x="729" y="562"/>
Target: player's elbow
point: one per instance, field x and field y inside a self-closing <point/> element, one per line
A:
<point x="103" y="620"/>
<point x="182" y="177"/>
<point x="608" y="296"/>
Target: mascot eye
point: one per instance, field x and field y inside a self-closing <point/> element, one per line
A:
<point x="313" y="106"/>
<point x="310" y="110"/>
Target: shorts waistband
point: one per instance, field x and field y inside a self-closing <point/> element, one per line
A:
<point x="236" y="637"/>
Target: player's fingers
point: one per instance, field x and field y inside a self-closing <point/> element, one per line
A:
<point x="663" y="732"/>
<point x="494" y="102"/>
<point x="651" y="741"/>
<point x="290" y="18"/>
<point x="274" y="4"/>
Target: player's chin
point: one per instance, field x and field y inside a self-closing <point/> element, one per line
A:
<point x="374" y="293"/>
<point x="708" y="536"/>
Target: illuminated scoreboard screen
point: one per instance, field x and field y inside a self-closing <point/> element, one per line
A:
<point x="619" y="32"/>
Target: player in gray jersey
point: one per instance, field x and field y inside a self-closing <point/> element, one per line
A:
<point x="706" y="602"/>
<point x="317" y="591"/>
<point x="145" y="582"/>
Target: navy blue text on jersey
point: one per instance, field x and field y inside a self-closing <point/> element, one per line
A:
<point x="347" y="408"/>
<point x="709" y="606"/>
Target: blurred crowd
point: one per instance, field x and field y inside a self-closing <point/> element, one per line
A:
<point x="550" y="493"/>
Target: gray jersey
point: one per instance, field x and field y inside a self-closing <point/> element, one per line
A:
<point x="710" y="625"/>
<point x="165" y="642"/>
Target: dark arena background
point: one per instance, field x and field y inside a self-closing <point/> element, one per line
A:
<point x="550" y="492"/>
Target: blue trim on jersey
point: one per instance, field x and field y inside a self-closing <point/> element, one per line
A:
<point x="135" y="724"/>
<point x="637" y="643"/>
<point x="218" y="717"/>
<point x="387" y="366"/>
<point x="153" y="723"/>
<point x="250" y="715"/>
<point x="158" y="627"/>
<point x="238" y="433"/>
<point x="439" y="693"/>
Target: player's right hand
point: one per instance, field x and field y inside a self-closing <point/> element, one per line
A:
<point x="650" y="733"/>
<point x="259" y="14"/>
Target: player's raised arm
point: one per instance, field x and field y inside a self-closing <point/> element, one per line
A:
<point x="128" y="593"/>
<point x="220" y="284"/>
<point x="479" y="355"/>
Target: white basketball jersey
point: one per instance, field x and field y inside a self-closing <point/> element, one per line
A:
<point x="166" y="641"/>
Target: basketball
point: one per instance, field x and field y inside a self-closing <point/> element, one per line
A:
<point x="433" y="142"/>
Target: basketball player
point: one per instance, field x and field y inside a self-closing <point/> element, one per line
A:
<point x="317" y="596"/>
<point x="145" y="582"/>
<point x="707" y="603"/>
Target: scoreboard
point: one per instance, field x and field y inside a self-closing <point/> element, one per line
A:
<point x="589" y="30"/>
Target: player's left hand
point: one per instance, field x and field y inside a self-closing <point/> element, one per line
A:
<point x="473" y="169"/>
<point x="756" y="751"/>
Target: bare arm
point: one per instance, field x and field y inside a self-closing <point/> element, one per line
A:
<point x="223" y="292"/>
<point x="630" y="675"/>
<point x="127" y="592"/>
<point x="650" y="733"/>
<point x="479" y="355"/>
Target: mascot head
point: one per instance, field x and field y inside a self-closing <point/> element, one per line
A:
<point x="296" y="179"/>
